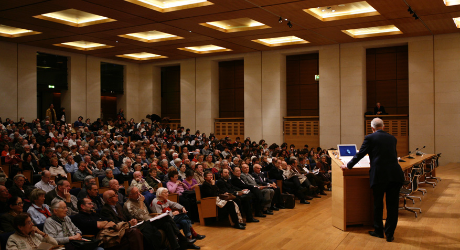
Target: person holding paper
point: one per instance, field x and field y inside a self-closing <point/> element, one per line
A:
<point x="27" y="236"/>
<point x="386" y="177"/>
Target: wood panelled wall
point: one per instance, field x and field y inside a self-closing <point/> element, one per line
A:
<point x="170" y="92"/>
<point x="387" y="73"/>
<point x="302" y="90"/>
<point x="231" y="89"/>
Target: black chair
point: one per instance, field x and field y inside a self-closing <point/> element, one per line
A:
<point x="430" y="167"/>
<point x="4" y="238"/>
<point x="422" y="167"/>
<point x="405" y="193"/>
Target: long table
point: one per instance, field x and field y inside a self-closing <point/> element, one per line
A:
<point x="352" y="202"/>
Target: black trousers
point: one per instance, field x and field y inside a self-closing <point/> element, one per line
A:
<point x="294" y="183"/>
<point x="392" y="201"/>
<point x="244" y="203"/>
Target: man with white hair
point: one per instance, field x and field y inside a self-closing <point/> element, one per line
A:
<point x="386" y="177"/>
<point x="174" y="156"/>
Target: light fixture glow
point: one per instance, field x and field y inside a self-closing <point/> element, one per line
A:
<point x="142" y="56"/>
<point x="235" y="25"/>
<point x="342" y="11"/>
<point x="73" y="17"/>
<point x="457" y="21"/>
<point x="373" y="31"/>
<point x="205" y="49"/>
<point x="451" y="2"/>
<point x="12" y="32"/>
<point x="151" y="36"/>
<point x="170" y="5"/>
<point x="83" y="45"/>
<point x="280" y="41"/>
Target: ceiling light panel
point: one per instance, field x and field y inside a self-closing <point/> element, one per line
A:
<point x="235" y="25"/>
<point x="12" y="32"/>
<point x="170" y="5"/>
<point x="457" y="22"/>
<point x="451" y="2"/>
<point x="205" y="49"/>
<point x="83" y="45"/>
<point x="142" y="56"/>
<point x="373" y="31"/>
<point x="342" y="11"/>
<point x="280" y="41"/>
<point x="75" y="18"/>
<point x="151" y="36"/>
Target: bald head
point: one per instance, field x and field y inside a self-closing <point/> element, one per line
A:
<point x="377" y="123"/>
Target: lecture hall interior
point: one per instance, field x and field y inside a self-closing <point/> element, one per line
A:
<point x="301" y="72"/>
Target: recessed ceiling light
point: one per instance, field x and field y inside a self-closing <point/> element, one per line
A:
<point x="151" y="36"/>
<point x="83" y="45"/>
<point x="235" y="25"/>
<point x="142" y="56"/>
<point x="342" y="11"/>
<point x="75" y="18"/>
<point x="12" y="32"/>
<point x="170" y="5"/>
<point x="280" y="41"/>
<point x="373" y="31"/>
<point x="457" y="21"/>
<point x="451" y="2"/>
<point x="205" y="49"/>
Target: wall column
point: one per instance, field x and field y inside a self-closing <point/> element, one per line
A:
<point x="207" y="94"/>
<point x="93" y="88"/>
<point x="329" y="96"/>
<point x="27" y="82"/>
<point x="8" y="82"/>
<point x="352" y="93"/>
<point x="253" y="96"/>
<point x="273" y="96"/>
<point x="187" y="94"/>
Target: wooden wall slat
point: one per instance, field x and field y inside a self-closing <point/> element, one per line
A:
<point x="300" y="133"/>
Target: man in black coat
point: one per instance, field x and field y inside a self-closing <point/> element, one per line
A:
<point x="386" y="177"/>
<point x="243" y="200"/>
<point x="257" y="197"/>
<point x="264" y="181"/>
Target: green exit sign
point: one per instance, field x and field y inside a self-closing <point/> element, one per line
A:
<point x="316" y="77"/>
<point x="51" y="86"/>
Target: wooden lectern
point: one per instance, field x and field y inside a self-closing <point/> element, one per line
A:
<point x="351" y="195"/>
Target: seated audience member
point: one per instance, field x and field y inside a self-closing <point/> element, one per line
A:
<point x="82" y="172"/>
<point x="267" y="193"/>
<point x="292" y="180"/>
<point x="115" y="187"/>
<point x="113" y="211"/>
<point x="38" y="211"/>
<point x="135" y="208"/>
<point x="60" y="227"/>
<point x="29" y="163"/>
<point x="27" y="236"/>
<point x="16" y="205"/>
<point x="208" y="164"/>
<point x="99" y="170"/>
<point x="91" y="224"/>
<point x="13" y="160"/>
<point x="62" y="193"/>
<point x="261" y="180"/>
<point x="111" y="165"/>
<point x="255" y="193"/>
<point x="125" y="175"/>
<point x="209" y="189"/>
<point x="243" y="201"/>
<point x="56" y="170"/>
<point x="46" y="184"/>
<point x="145" y="189"/>
<point x="181" y="171"/>
<point x="93" y="194"/>
<point x="152" y="179"/>
<point x="189" y="181"/>
<point x="18" y="188"/>
<point x="71" y="166"/>
<point x="86" y="182"/>
<point x="107" y="178"/>
<point x="314" y="178"/>
<point x="198" y="176"/>
<point x="161" y="204"/>
<point x="4" y="195"/>
<point x="325" y="171"/>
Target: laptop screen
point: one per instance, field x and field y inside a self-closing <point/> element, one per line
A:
<point x="347" y="150"/>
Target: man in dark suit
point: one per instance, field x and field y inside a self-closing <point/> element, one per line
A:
<point x="386" y="177"/>
<point x="379" y="109"/>
<point x="257" y="197"/>
<point x="264" y="181"/>
<point x="243" y="200"/>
